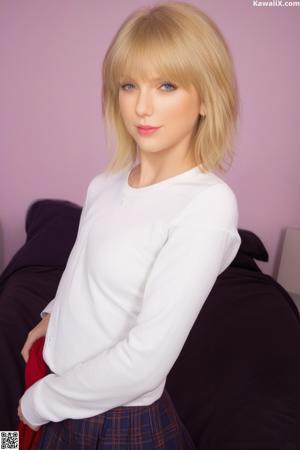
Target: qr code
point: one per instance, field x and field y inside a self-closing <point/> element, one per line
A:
<point x="9" y="439"/>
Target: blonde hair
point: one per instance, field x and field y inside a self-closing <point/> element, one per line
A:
<point x="183" y="45"/>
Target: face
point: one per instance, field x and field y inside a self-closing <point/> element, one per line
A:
<point x="159" y="103"/>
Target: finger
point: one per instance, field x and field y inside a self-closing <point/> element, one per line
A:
<point x="25" y="355"/>
<point x="26" y="348"/>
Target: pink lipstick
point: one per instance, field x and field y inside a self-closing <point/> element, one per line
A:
<point x="145" y="130"/>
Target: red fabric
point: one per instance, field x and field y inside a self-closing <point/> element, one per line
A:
<point x="35" y="369"/>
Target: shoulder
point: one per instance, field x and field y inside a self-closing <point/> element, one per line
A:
<point x="96" y="182"/>
<point x="213" y="206"/>
<point x="219" y="195"/>
<point x="100" y="182"/>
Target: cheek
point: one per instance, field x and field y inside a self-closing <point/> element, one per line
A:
<point x="127" y="110"/>
<point x="122" y="107"/>
<point x="124" y="104"/>
<point x="180" y="105"/>
<point x="179" y="113"/>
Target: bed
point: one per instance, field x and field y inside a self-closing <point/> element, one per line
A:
<point x="236" y="382"/>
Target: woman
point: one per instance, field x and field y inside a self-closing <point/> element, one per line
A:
<point x="157" y="228"/>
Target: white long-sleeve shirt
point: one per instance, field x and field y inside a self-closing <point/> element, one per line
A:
<point x="143" y="264"/>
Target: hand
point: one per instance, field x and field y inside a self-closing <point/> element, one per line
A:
<point x="21" y="417"/>
<point x="38" y="331"/>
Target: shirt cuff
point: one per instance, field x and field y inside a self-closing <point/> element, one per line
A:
<point x="28" y="403"/>
<point x="48" y="308"/>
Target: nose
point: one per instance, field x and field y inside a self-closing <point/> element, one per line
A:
<point x="144" y="102"/>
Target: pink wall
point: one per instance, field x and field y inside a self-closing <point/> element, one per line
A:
<point x="52" y="137"/>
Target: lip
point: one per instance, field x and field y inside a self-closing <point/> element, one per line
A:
<point x="146" y="127"/>
<point x="143" y="130"/>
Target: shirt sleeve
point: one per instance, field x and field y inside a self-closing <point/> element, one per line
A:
<point x="48" y="308"/>
<point x="88" y="197"/>
<point x="202" y="241"/>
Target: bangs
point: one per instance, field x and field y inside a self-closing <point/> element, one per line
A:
<point x="178" y="43"/>
<point x="151" y="52"/>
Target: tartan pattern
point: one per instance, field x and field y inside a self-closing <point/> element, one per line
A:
<point x="150" y="427"/>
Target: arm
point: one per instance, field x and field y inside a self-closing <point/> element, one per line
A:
<point x="92" y="188"/>
<point x="201" y="244"/>
<point x="48" y="308"/>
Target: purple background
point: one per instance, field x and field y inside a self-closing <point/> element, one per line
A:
<point x="52" y="135"/>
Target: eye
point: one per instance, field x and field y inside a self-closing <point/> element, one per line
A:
<point x="169" y="84"/>
<point x="123" y="86"/>
<point x="173" y="87"/>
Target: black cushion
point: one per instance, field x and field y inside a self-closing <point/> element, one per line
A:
<point x="252" y="245"/>
<point x="27" y="285"/>
<point x="51" y="228"/>
<point x="251" y="248"/>
<point x="236" y="382"/>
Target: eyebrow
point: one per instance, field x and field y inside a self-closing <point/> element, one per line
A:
<point x="131" y="78"/>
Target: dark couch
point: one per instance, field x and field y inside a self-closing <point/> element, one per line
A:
<point x="236" y="383"/>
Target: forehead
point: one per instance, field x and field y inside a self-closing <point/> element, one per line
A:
<point x="153" y="75"/>
<point x="147" y="78"/>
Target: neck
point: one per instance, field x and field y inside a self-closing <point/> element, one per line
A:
<point x="146" y="172"/>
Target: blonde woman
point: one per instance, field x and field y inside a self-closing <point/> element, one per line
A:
<point x="156" y="230"/>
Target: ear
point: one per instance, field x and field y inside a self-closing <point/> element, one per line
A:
<point x="202" y="110"/>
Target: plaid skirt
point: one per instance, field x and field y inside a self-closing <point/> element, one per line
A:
<point x="150" y="427"/>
